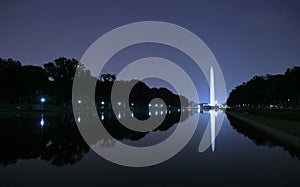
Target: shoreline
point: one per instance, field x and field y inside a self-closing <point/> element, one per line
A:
<point x="270" y="127"/>
<point x="15" y="108"/>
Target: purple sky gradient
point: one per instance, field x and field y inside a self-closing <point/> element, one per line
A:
<point x="247" y="37"/>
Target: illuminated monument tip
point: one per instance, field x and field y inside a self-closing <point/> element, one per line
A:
<point x="212" y="87"/>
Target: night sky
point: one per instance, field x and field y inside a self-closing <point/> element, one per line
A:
<point x="247" y="37"/>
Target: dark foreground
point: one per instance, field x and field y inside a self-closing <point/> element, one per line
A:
<point x="47" y="149"/>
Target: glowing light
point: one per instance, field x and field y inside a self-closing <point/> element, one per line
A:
<point x="212" y="129"/>
<point x="156" y="105"/>
<point x="49" y="143"/>
<point x="42" y="122"/>
<point x="43" y="100"/>
<point x="156" y="113"/>
<point x="119" y="115"/>
<point x="119" y="103"/>
<point x="149" y="105"/>
<point x="132" y="114"/>
<point x="102" y="117"/>
<point x="149" y="113"/>
<point x="161" y="112"/>
<point x="79" y="101"/>
<point x="79" y="119"/>
<point x="102" y="102"/>
<point x="161" y="105"/>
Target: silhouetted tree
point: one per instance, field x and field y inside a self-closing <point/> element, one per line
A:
<point x="20" y="84"/>
<point x="107" y="78"/>
<point x="282" y="90"/>
<point x="62" y="72"/>
<point x="27" y="84"/>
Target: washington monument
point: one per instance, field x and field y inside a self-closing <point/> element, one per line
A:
<point x="212" y="87"/>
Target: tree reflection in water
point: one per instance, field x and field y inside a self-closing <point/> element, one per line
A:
<point x="58" y="140"/>
<point x="259" y="138"/>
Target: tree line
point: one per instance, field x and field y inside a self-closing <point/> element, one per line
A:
<point x="268" y="91"/>
<point x="27" y="84"/>
<point x="59" y="141"/>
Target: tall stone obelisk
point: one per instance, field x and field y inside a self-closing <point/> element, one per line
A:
<point x="212" y="87"/>
<point x="212" y="112"/>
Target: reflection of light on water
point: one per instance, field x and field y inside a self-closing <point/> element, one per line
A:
<point x="102" y="117"/>
<point x="212" y="129"/>
<point x="42" y="122"/>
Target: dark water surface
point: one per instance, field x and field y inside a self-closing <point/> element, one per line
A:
<point x="47" y="150"/>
